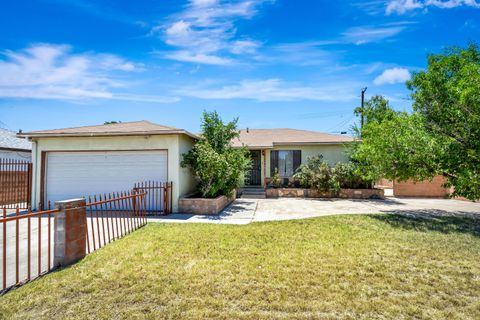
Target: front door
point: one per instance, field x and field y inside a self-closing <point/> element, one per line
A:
<point x="253" y="177"/>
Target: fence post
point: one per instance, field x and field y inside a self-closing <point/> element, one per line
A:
<point x="70" y="232"/>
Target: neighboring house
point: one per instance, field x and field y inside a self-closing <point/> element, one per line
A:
<point x="286" y="149"/>
<point x="14" y="148"/>
<point x="75" y="162"/>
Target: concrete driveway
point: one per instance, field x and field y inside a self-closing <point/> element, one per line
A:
<point x="244" y="211"/>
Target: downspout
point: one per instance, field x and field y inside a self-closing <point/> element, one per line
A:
<point x="34" y="187"/>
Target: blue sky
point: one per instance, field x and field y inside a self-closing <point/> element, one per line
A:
<point x="272" y="63"/>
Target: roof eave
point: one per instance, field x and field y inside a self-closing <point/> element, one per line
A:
<point x="254" y="147"/>
<point x="310" y="143"/>
<point x="106" y="134"/>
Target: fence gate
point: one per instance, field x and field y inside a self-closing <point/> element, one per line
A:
<point x="15" y="183"/>
<point x="158" y="199"/>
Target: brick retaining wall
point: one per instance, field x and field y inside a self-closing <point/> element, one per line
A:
<point x="424" y="189"/>
<point x="310" y="193"/>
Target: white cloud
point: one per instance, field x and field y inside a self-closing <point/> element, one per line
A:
<point x="306" y="53"/>
<point x="46" y="71"/>
<point x="112" y="62"/>
<point x="402" y="6"/>
<point x="189" y="56"/>
<point x="392" y="76"/>
<point x="205" y="3"/>
<point x="178" y="29"/>
<point x="366" y="34"/>
<point x="244" y="46"/>
<point x="205" y="32"/>
<point x="274" y="90"/>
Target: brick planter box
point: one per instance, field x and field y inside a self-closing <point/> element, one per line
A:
<point x="362" y="194"/>
<point x="285" y="193"/>
<point x="203" y="205"/>
<point x="310" y="193"/>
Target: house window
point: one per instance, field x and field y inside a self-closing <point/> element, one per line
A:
<point x="285" y="161"/>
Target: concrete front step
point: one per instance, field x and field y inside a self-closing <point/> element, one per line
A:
<point x="253" y="196"/>
<point x="253" y="193"/>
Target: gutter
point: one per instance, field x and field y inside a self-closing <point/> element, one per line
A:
<point x="106" y="134"/>
<point x="310" y="143"/>
<point x="256" y="147"/>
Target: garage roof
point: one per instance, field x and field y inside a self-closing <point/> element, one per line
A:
<point x="267" y="138"/>
<point x="115" y="129"/>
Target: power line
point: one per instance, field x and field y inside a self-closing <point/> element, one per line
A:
<point x="341" y="124"/>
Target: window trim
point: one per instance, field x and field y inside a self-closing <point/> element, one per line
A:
<point x="275" y="157"/>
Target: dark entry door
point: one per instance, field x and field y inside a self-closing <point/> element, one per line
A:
<point x="253" y="177"/>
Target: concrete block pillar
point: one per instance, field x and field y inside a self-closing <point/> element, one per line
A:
<point x="70" y="232"/>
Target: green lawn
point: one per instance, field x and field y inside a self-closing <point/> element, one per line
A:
<point x="338" y="267"/>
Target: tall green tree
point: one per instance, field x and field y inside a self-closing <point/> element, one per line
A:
<point x="398" y="148"/>
<point x="218" y="134"/>
<point x="217" y="166"/>
<point x="377" y="108"/>
<point x="441" y="136"/>
<point x="447" y="96"/>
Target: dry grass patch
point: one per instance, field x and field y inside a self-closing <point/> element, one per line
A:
<point x="338" y="267"/>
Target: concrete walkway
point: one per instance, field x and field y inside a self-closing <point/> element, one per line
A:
<point x="244" y="211"/>
<point x="241" y="211"/>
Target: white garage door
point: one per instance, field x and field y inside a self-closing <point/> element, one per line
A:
<point x="72" y="175"/>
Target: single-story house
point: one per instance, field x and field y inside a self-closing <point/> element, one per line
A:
<point x="286" y="149"/>
<point x="14" y="148"/>
<point x="73" y="162"/>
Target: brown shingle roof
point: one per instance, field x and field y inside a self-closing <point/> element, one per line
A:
<point x="116" y="129"/>
<point x="267" y="138"/>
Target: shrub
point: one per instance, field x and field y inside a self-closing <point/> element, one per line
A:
<point x="217" y="166"/>
<point x="276" y="180"/>
<point x="323" y="178"/>
<point x="349" y="176"/>
<point x="317" y="174"/>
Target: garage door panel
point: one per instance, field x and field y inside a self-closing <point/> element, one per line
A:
<point x="77" y="174"/>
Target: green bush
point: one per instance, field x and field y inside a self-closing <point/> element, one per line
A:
<point x="317" y="174"/>
<point x="349" y="176"/>
<point x="276" y="180"/>
<point x="217" y="166"/>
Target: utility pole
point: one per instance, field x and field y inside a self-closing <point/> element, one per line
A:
<point x="363" y="108"/>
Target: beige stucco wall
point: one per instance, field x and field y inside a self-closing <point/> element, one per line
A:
<point x="175" y="144"/>
<point x="332" y="153"/>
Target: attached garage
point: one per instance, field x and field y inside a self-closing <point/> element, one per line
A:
<point x="72" y="175"/>
<point x="77" y="162"/>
